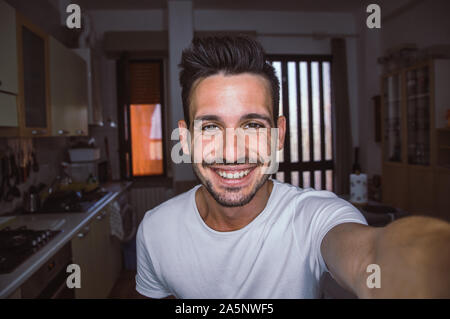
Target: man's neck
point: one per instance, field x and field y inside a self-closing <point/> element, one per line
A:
<point x="223" y="218"/>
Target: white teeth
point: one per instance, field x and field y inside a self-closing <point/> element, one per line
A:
<point x="233" y="175"/>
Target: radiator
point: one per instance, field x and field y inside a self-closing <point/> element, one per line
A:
<point x="144" y="199"/>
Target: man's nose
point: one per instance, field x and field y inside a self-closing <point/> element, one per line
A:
<point x="233" y="146"/>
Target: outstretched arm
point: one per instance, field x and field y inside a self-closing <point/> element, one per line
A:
<point x="413" y="254"/>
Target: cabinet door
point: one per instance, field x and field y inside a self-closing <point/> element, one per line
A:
<point x="68" y="91"/>
<point x="108" y="255"/>
<point x="34" y="113"/>
<point x="420" y="191"/>
<point x="418" y="114"/>
<point x="8" y="110"/>
<point x="441" y="194"/>
<point x="8" y="53"/>
<point x="392" y="118"/>
<point x="101" y="230"/>
<point x="114" y="255"/>
<point x="84" y="255"/>
<point x="395" y="185"/>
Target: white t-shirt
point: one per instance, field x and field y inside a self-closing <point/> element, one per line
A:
<point x="277" y="255"/>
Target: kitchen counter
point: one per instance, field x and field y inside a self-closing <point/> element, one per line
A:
<point x="69" y="224"/>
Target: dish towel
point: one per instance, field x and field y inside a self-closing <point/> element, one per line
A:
<point x="115" y="220"/>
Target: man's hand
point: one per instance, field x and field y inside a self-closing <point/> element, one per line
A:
<point x="413" y="255"/>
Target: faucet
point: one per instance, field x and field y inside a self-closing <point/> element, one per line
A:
<point x="62" y="179"/>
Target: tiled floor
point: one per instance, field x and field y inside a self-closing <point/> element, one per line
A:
<point x="125" y="286"/>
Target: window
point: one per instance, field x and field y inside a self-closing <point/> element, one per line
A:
<point x="305" y="100"/>
<point x="142" y="123"/>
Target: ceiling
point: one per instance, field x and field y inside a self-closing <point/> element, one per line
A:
<point x="275" y="5"/>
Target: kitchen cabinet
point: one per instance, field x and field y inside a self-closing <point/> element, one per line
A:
<point x="32" y="116"/>
<point x="414" y="165"/>
<point x="84" y="255"/>
<point x="8" y="110"/>
<point x="95" y="113"/>
<point x="99" y="256"/>
<point x="8" y="53"/>
<point x="43" y="89"/>
<point x="34" y="111"/>
<point x="9" y="71"/>
<point x="68" y="91"/>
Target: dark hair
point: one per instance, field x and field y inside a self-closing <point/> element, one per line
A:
<point x="230" y="55"/>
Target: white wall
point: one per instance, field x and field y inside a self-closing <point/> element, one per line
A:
<point x="425" y="24"/>
<point x="273" y="21"/>
<point x="369" y="86"/>
<point x="128" y="20"/>
<point x="181" y="32"/>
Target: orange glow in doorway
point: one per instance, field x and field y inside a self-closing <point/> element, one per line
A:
<point x="146" y="139"/>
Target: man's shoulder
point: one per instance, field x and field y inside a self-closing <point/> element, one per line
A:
<point x="308" y="200"/>
<point x="169" y="210"/>
<point x="285" y="191"/>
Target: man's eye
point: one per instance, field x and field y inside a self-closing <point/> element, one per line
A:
<point x="210" y="127"/>
<point x="253" y="125"/>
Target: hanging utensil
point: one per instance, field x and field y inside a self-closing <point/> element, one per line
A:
<point x="14" y="190"/>
<point x="6" y="176"/>
<point x="20" y="169"/>
<point x="108" y="161"/>
<point x="35" y="162"/>
<point x="2" y="176"/>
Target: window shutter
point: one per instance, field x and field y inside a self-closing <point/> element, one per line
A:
<point x="145" y="78"/>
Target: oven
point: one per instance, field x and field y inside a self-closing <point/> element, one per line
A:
<point x="49" y="282"/>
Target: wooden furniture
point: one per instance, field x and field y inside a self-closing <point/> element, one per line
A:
<point x="99" y="256"/>
<point x="31" y="116"/>
<point x="8" y="66"/>
<point x="43" y="84"/>
<point x="415" y="169"/>
<point x="68" y="91"/>
<point x="34" y="107"/>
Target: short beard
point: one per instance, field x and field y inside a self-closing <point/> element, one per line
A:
<point x="225" y="202"/>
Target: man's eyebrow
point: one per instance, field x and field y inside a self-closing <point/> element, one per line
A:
<point x="208" y="118"/>
<point x="249" y="116"/>
<point x="256" y="116"/>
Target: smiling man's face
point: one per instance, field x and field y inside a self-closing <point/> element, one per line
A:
<point x="224" y="106"/>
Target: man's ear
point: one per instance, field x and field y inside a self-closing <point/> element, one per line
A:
<point x="184" y="136"/>
<point x="281" y="124"/>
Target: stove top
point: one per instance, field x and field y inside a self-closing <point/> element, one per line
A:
<point x="16" y="245"/>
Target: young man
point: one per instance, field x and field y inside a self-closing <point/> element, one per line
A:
<point x="241" y="234"/>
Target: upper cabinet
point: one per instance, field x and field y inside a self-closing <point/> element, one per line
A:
<point x="43" y="84"/>
<point x="8" y="53"/>
<point x="95" y="112"/>
<point x="8" y="67"/>
<point x="34" y="109"/>
<point x="416" y="142"/>
<point x="68" y="87"/>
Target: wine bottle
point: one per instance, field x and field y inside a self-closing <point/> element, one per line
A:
<point x="356" y="169"/>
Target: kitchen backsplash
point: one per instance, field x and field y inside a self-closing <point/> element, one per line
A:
<point x="50" y="152"/>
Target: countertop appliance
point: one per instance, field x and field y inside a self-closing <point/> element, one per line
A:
<point x="16" y="245"/>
